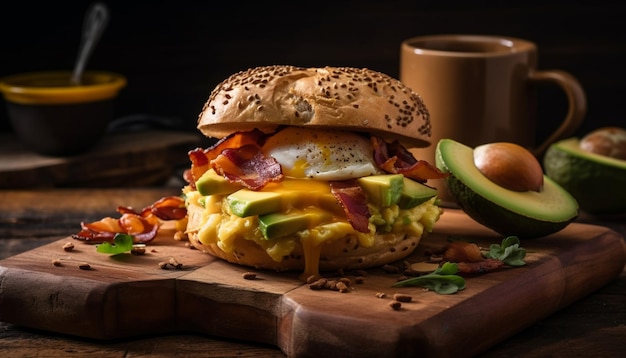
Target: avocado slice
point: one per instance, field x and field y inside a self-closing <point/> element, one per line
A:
<point x="414" y="194"/>
<point x="384" y="190"/>
<point x="388" y="189"/>
<point x="246" y="202"/>
<point x="275" y="197"/>
<point x="211" y="183"/>
<point x="526" y="214"/>
<point x="276" y="225"/>
<point x="597" y="182"/>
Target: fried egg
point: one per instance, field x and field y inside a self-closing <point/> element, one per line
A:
<point x="321" y="154"/>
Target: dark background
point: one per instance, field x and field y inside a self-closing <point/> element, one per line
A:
<point x="175" y="52"/>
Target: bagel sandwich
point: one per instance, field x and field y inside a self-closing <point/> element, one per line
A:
<point x="311" y="170"/>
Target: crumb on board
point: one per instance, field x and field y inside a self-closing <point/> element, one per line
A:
<point x="248" y="275"/>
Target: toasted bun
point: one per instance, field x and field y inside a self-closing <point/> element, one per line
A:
<point x="345" y="98"/>
<point x="344" y="254"/>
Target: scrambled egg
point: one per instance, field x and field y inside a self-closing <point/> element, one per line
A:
<point x="220" y="227"/>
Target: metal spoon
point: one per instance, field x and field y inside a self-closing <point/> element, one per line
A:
<point x="96" y="19"/>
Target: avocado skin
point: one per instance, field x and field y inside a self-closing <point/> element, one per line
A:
<point x="598" y="188"/>
<point x="502" y="220"/>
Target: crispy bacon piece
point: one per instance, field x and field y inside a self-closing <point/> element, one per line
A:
<point x="166" y="208"/>
<point x="354" y="202"/>
<point x="201" y="158"/>
<point x="394" y="158"/>
<point x="169" y="208"/>
<point x="99" y="231"/>
<point x="142" y="229"/>
<point x="479" y="267"/>
<point x="468" y="257"/>
<point x="142" y="225"/>
<point x="199" y="165"/>
<point x="462" y="251"/>
<point x="236" y="140"/>
<point x="248" y="166"/>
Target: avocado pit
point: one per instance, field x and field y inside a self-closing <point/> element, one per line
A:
<point x="607" y="141"/>
<point x="510" y="166"/>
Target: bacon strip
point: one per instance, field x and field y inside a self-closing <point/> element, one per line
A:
<point x="248" y="166"/>
<point x="354" y="202"/>
<point x="236" y="140"/>
<point x="486" y="265"/>
<point x="237" y="157"/>
<point x="141" y="228"/>
<point x="99" y="231"/>
<point x="201" y="158"/>
<point x="199" y="165"/>
<point x="394" y="158"/>
<point x="169" y="208"/>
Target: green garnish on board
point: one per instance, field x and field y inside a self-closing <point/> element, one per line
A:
<point x="508" y="252"/>
<point x="443" y="280"/>
<point x="121" y="243"/>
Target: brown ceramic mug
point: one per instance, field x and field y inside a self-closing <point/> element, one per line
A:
<point x="481" y="89"/>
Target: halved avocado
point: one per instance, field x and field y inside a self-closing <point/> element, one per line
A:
<point x="526" y="214"/>
<point x="596" y="181"/>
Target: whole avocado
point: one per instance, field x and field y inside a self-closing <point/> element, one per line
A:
<point x="592" y="169"/>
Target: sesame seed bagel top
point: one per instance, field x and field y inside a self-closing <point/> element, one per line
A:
<point x="345" y="98"/>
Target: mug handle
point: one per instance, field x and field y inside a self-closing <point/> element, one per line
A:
<point x="577" y="105"/>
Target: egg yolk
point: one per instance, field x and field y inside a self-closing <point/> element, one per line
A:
<point x="321" y="154"/>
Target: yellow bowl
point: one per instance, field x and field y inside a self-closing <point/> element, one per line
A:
<point x="55" y="117"/>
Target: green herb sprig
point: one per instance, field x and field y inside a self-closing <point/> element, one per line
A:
<point x="121" y="243"/>
<point x="443" y="280"/>
<point x="508" y="252"/>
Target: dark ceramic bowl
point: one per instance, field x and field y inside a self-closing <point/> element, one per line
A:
<point x="53" y="117"/>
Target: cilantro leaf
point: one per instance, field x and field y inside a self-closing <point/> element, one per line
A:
<point x="509" y="252"/>
<point x="443" y="280"/>
<point x="121" y="243"/>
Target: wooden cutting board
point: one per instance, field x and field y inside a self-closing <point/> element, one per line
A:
<point x="132" y="158"/>
<point x="129" y="296"/>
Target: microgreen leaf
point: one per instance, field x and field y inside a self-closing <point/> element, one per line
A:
<point x="448" y="268"/>
<point x="443" y="280"/>
<point x="508" y="252"/>
<point x="121" y="243"/>
<point x="510" y="241"/>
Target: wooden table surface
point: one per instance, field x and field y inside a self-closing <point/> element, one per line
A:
<point x="594" y="326"/>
